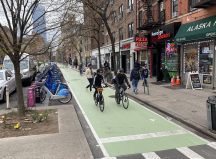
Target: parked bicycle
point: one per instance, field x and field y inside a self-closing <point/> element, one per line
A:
<point x="61" y="93"/>
<point x="121" y="96"/>
<point x="99" y="99"/>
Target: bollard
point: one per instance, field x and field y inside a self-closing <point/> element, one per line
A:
<point x="7" y="97"/>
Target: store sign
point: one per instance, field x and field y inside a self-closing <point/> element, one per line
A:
<point x="141" y="42"/>
<point x="201" y="29"/>
<point x="126" y="46"/>
<point x="160" y="35"/>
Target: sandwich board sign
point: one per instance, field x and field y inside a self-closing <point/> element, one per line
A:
<point x="193" y="81"/>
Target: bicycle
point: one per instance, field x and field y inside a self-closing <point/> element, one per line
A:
<point x="122" y="96"/>
<point x="99" y="99"/>
<point x="62" y="93"/>
<point x="145" y="84"/>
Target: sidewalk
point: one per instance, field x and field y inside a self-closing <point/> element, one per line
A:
<point x="186" y="105"/>
<point x="69" y="143"/>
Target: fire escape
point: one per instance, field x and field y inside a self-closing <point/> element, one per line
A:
<point x="149" y="22"/>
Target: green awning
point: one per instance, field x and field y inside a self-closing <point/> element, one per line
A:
<point x="201" y="29"/>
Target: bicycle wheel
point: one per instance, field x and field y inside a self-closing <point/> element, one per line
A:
<point x="66" y="99"/>
<point x="125" y="101"/>
<point x="95" y="100"/>
<point x="101" y="103"/>
<point x="117" y="98"/>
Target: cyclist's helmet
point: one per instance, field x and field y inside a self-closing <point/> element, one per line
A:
<point x="121" y="70"/>
<point x="98" y="70"/>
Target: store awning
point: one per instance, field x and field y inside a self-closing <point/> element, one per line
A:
<point x="201" y="29"/>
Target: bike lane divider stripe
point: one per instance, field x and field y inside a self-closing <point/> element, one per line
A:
<point x="142" y="136"/>
<point x="189" y="153"/>
<point x="89" y="123"/>
<point x="212" y="144"/>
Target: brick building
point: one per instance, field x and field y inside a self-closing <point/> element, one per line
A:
<point x="181" y="37"/>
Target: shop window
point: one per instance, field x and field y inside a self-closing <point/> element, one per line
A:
<point x="205" y="58"/>
<point x="191" y="57"/>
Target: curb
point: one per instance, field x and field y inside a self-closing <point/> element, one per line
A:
<point x="206" y="133"/>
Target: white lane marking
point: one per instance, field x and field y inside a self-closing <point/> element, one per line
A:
<point x="212" y="144"/>
<point x="152" y="120"/>
<point x="142" y="136"/>
<point x="90" y="125"/>
<point x="189" y="153"/>
<point x="151" y="155"/>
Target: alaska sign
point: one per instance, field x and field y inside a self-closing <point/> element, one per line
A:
<point x="201" y="29"/>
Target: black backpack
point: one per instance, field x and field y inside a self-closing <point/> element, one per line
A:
<point x="136" y="74"/>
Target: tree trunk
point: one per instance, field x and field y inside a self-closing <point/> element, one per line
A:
<point x="21" y="105"/>
<point x="99" y="52"/>
<point x="112" y="43"/>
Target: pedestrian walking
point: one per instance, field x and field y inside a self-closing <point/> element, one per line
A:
<point x="144" y="74"/>
<point x="75" y="62"/>
<point x="134" y="78"/>
<point x="70" y="61"/>
<point x="89" y="75"/>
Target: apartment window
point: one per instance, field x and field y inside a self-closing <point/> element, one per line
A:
<point x="121" y="35"/>
<point x="192" y="3"/>
<point x="161" y="12"/>
<point x="174" y="8"/>
<point x="141" y="18"/>
<point x="130" y="30"/>
<point x="130" y="4"/>
<point x="121" y="9"/>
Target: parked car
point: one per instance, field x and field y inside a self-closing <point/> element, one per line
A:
<point x="7" y="78"/>
<point x="28" y="69"/>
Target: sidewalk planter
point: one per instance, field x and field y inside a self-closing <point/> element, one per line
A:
<point x="211" y="112"/>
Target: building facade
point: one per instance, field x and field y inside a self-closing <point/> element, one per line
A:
<point x="181" y="36"/>
<point x="122" y="22"/>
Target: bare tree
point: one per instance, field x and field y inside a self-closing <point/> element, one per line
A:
<point x="16" y="39"/>
<point x="101" y="8"/>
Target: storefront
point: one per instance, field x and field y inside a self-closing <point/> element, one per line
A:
<point x="141" y="43"/>
<point x="164" y="54"/>
<point x="125" y="57"/>
<point x="197" y="40"/>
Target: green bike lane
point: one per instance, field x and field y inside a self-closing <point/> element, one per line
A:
<point x="122" y="132"/>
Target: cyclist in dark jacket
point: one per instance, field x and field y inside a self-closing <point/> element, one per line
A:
<point x="98" y="80"/>
<point x="121" y="79"/>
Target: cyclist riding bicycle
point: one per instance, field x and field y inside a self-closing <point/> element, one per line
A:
<point x="98" y="80"/>
<point x="119" y="81"/>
